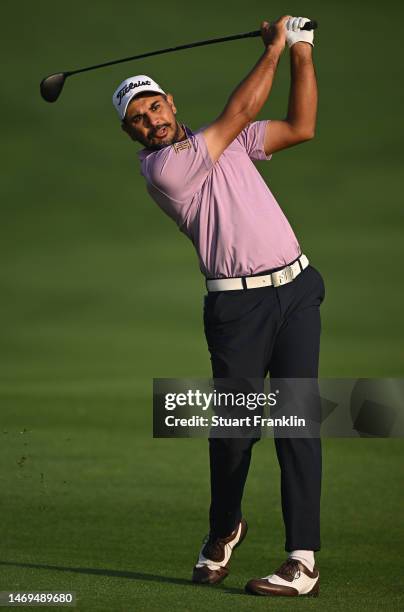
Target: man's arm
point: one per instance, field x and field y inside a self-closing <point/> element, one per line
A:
<point x="250" y="96"/>
<point x="300" y="122"/>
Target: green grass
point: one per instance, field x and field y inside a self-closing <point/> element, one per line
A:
<point x="92" y="504"/>
<point x="100" y="508"/>
<point x="100" y="293"/>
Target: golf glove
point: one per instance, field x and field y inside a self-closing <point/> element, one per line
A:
<point x="294" y="34"/>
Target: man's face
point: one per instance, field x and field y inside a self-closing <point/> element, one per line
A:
<point x="150" y="119"/>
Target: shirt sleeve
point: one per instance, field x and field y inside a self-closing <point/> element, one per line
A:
<point x="252" y="138"/>
<point x="179" y="171"/>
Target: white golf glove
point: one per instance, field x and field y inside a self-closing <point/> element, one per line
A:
<point x="294" y="34"/>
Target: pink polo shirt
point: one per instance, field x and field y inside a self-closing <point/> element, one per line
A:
<point x="225" y="208"/>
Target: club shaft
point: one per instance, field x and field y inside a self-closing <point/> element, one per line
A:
<point x="201" y="43"/>
<point x="168" y="50"/>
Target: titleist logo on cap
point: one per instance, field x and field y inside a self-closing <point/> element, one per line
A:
<point x="122" y="92"/>
<point x="130" y="87"/>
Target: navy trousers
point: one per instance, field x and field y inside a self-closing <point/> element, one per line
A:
<point x="251" y="333"/>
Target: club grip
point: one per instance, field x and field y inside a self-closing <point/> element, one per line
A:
<point x="310" y="25"/>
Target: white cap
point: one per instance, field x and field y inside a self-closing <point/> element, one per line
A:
<point x="131" y="87"/>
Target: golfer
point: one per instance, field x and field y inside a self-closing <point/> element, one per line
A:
<point x="262" y="309"/>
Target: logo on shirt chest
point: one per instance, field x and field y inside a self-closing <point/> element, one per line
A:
<point x="181" y="146"/>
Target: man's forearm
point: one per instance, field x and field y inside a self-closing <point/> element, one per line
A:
<point x="302" y="109"/>
<point x="250" y="96"/>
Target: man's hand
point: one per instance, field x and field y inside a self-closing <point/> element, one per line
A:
<point x="294" y="34"/>
<point x="274" y="34"/>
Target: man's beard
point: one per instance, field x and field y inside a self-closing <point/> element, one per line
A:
<point x="167" y="142"/>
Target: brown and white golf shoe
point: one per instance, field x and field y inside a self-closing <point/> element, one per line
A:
<point x="290" y="580"/>
<point x="213" y="561"/>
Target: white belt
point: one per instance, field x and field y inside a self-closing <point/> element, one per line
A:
<point x="281" y="277"/>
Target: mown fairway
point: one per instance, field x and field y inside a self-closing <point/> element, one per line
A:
<point x="100" y="293"/>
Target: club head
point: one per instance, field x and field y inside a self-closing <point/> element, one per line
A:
<point x="52" y="86"/>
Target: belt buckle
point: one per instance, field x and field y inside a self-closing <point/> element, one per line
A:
<point x="282" y="277"/>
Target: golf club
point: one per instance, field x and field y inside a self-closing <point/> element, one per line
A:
<point x="51" y="86"/>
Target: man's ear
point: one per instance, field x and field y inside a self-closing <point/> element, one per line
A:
<point x="170" y="101"/>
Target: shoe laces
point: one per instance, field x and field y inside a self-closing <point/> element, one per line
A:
<point x="213" y="547"/>
<point x="289" y="569"/>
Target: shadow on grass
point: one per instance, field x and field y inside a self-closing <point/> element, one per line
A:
<point x="120" y="574"/>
